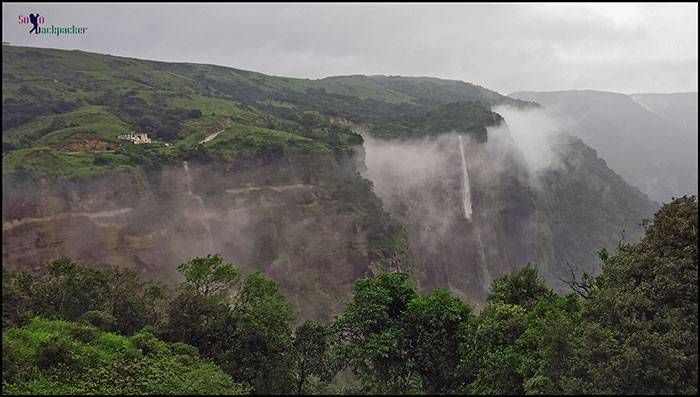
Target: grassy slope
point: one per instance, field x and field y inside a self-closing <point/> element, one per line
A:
<point x="49" y="95"/>
<point x="60" y="357"/>
<point x="63" y="93"/>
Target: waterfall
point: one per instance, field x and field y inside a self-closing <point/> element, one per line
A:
<point x="479" y="161"/>
<point x="466" y="194"/>
<point x="205" y="218"/>
<point x="189" y="177"/>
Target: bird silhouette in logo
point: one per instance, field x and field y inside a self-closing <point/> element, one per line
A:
<point x="34" y="19"/>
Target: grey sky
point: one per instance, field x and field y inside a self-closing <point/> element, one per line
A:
<point x="506" y="47"/>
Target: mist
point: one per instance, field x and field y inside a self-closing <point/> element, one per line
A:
<point x="528" y="138"/>
<point x="531" y="138"/>
<point x="469" y="206"/>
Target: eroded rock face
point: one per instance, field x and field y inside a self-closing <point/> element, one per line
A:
<point x="284" y="218"/>
<point x="554" y="219"/>
<point x="296" y="219"/>
<point x="458" y="245"/>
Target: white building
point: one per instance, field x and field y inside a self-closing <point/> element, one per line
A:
<point x="135" y="137"/>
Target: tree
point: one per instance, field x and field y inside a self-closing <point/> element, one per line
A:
<point x="547" y="345"/>
<point x="258" y="349"/>
<point x="494" y="350"/>
<point x="371" y="330"/>
<point x="210" y="275"/>
<point x="199" y="320"/>
<point x="67" y="290"/>
<point x="17" y="302"/>
<point x="247" y="333"/>
<point x="311" y="350"/>
<point x="521" y="287"/>
<point x="155" y="298"/>
<point x="640" y="330"/>
<point x="433" y="326"/>
<point x="490" y="359"/>
<point x="124" y="299"/>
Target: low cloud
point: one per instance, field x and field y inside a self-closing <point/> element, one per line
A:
<point x="531" y="135"/>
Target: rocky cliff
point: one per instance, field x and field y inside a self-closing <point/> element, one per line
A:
<point x="477" y="209"/>
<point x="264" y="170"/>
<point x="291" y="219"/>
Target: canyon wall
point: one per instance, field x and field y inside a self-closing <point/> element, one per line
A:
<point x="292" y="219"/>
<point x="316" y="226"/>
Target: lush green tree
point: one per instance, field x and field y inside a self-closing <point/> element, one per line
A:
<point x="398" y="341"/>
<point x="243" y="325"/>
<point x="311" y="354"/>
<point x="521" y="287"/>
<point x="68" y="290"/>
<point x="199" y="313"/>
<point x="490" y="357"/>
<point x="372" y="331"/>
<point x="156" y="297"/>
<point x="640" y="330"/>
<point x="98" y="319"/>
<point x="259" y="348"/>
<point x="59" y="357"/>
<point x="64" y="289"/>
<point x="198" y="320"/>
<point x="547" y="345"/>
<point x="124" y="299"/>
<point x="17" y="302"/>
<point x="432" y="329"/>
<point x="210" y="275"/>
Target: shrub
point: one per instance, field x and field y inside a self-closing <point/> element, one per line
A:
<point x="194" y="113"/>
<point x="102" y="160"/>
<point x="185" y="349"/>
<point x="53" y="351"/>
<point x="149" y="344"/>
<point x="47" y="357"/>
<point x="84" y="333"/>
<point x="10" y="365"/>
<point x="98" y="318"/>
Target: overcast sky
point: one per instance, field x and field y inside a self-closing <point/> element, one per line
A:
<point x="626" y="48"/>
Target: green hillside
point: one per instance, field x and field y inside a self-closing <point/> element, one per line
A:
<point x="63" y="111"/>
<point x="62" y="357"/>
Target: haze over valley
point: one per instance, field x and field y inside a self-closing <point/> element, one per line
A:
<point x="191" y="219"/>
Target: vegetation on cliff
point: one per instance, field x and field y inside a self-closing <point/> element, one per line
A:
<point x="630" y="330"/>
<point x="60" y="357"/>
<point x="54" y="97"/>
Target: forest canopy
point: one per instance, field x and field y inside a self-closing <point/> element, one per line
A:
<point x="72" y="329"/>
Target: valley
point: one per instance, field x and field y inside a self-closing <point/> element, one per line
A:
<point x="418" y="174"/>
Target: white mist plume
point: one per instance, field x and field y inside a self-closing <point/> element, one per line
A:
<point x="406" y="163"/>
<point x="405" y="173"/>
<point x="534" y="134"/>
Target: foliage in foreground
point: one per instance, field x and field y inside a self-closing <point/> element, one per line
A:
<point x="60" y="357"/>
<point x="631" y="330"/>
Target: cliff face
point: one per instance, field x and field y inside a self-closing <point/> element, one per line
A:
<point x="473" y="207"/>
<point x="462" y="240"/>
<point x="290" y="219"/>
<point x="508" y="216"/>
<point x="648" y="146"/>
<point x="308" y="223"/>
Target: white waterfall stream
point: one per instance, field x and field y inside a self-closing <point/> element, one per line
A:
<point x="467" y="204"/>
<point x="466" y="194"/>
<point x="205" y="219"/>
